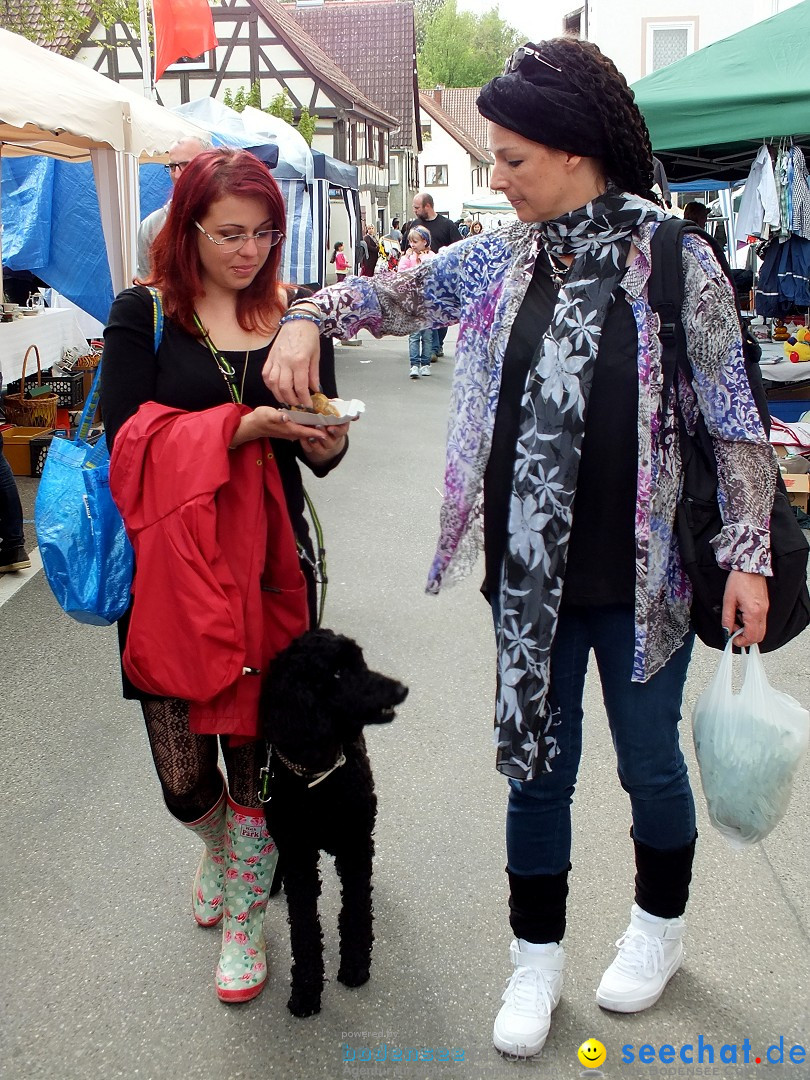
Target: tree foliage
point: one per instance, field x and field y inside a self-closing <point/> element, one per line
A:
<point x="279" y="106"/>
<point x="424" y="11"/>
<point x="462" y="49"/>
<point x="306" y="125"/>
<point x="65" y="19"/>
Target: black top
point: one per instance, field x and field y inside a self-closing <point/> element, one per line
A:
<point x="443" y="232"/>
<point x="600" y="566"/>
<point x="184" y="375"/>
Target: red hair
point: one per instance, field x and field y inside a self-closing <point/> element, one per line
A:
<point x="175" y="258"/>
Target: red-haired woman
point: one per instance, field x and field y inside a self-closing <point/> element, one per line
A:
<point x="181" y="420"/>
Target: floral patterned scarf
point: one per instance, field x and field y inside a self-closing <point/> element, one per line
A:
<point x="546" y="465"/>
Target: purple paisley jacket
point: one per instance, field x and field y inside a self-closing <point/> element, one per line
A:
<point x="480" y="283"/>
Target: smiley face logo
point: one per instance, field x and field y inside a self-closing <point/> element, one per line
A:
<point x="592" y="1054"/>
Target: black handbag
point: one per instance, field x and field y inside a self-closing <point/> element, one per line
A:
<point x="698" y="518"/>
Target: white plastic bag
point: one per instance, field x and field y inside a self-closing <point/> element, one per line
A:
<point x="749" y="747"/>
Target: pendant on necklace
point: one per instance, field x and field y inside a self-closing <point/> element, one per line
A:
<point x="559" y="270"/>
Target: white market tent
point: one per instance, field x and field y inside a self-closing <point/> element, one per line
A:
<point x="491" y="203"/>
<point x="53" y="106"/>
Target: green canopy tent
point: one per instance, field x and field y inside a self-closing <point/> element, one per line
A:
<point x="709" y="113"/>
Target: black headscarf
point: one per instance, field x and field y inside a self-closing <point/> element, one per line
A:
<point x="544" y="105"/>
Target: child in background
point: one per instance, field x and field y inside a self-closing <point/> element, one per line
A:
<point x="420" y="344"/>
<point x="340" y="261"/>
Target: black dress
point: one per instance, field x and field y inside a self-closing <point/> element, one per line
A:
<point x="183" y="375"/>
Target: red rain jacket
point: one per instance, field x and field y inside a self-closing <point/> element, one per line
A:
<point x="218" y="588"/>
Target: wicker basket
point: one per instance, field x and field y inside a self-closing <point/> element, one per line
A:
<point x="31" y="412"/>
<point x="88" y="362"/>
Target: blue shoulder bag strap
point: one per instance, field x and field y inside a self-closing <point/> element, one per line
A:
<point x="91" y="405"/>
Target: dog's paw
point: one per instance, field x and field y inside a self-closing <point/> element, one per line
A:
<point x="353" y="974"/>
<point x="304" y="1003"/>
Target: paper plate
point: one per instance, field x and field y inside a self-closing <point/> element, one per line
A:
<point x="349" y="410"/>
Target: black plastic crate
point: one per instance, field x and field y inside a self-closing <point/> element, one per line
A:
<point x="39" y="448"/>
<point x="69" y="389"/>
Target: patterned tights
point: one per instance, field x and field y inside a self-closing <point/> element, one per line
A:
<point x="187" y="764"/>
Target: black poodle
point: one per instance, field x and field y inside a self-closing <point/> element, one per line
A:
<point x="318" y="697"/>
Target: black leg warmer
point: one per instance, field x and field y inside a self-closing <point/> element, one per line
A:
<point x="537" y="906"/>
<point x="662" y="878"/>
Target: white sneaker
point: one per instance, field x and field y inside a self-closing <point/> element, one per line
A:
<point x="414" y="371"/>
<point x="650" y="952"/>
<point x="531" y="995"/>
<point x="425" y="369"/>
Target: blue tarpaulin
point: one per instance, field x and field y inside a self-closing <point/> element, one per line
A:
<point x="65" y="249"/>
<point x="52" y="222"/>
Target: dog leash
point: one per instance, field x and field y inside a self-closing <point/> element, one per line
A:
<point x="265" y="773"/>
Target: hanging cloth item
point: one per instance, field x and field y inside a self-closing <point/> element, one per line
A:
<point x="784" y="279"/>
<point x="759" y="205"/>
<point x="799" y="195"/>
<point x="782" y="179"/>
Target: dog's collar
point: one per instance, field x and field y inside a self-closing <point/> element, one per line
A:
<point x="299" y="770"/>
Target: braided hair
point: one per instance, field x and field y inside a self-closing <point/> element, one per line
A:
<point x="628" y="161"/>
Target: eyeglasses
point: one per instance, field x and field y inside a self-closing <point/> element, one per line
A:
<point x="519" y="55"/>
<point x="179" y="165"/>
<point x="267" y="238"/>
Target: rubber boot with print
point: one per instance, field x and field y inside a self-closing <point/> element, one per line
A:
<point x="251" y="860"/>
<point x="208" y="890"/>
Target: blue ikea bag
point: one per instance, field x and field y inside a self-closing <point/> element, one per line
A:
<point x="86" y="554"/>
<point x="85" y="551"/>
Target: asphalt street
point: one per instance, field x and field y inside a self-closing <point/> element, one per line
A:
<point x="105" y="973"/>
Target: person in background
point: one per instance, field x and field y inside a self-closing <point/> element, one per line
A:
<point x="660" y="183"/>
<point x="696" y="212"/>
<point x="340" y="261"/>
<point x="370" y="252"/>
<point x="476" y="228"/>
<point x="558" y="421"/>
<point x="216" y="266"/>
<point x="443" y="232"/>
<point x="180" y="155"/>
<point x="13" y="555"/>
<point x="420" y="342"/>
<point x="395" y="233"/>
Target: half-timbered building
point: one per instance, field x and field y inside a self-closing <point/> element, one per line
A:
<point x="260" y="41"/>
<point x="374" y="42"/>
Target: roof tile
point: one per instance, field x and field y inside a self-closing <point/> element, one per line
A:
<point x="459" y="104"/>
<point x="374" y="42"/>
<point x="428" y="103"/>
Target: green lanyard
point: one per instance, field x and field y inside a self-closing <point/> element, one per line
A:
<point x="225" y="367"/>
<point x="319" y="565"/>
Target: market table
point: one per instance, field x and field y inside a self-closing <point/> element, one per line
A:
<point x="52" y="330"/>
<point x="776" y="368"/>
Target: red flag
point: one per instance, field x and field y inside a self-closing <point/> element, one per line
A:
<point x="182" y="28"/>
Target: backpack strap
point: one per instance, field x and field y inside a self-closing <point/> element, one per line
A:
<point x="665" y="296"/>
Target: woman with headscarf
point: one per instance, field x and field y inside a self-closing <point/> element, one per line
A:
<point x="561" y="434"/>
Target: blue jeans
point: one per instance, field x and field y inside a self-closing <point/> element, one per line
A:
<point x="420" y="346"/>
<point x="438" y="338"/>
<point x="11" y="516"/>
<point x="643" y="719"/>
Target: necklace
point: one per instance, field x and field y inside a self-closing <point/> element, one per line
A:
<point x="559" y="270"/>
<point x="224" y="365"/>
